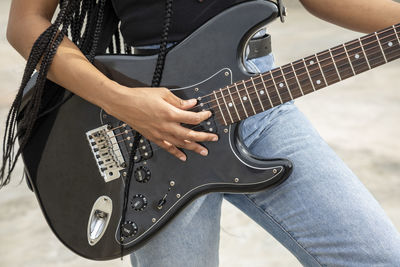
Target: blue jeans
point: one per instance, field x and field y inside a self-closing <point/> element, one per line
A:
<point x="321" y="213"/>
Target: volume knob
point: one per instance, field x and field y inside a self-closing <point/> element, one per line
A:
<point x="129" y="229"/>
<point x="139" y="202"/>
<point x="142" y="174"/>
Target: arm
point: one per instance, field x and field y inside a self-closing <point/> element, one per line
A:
<point x="359" y="15"/>
<point x="156" y="113"/>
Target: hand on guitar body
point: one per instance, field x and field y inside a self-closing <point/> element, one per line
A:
<point x="157" y="114"/>
<point x="154" y="112"/>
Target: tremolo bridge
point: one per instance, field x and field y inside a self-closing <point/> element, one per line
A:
<point x="106" y="151"/>
<point x="111" y="144"/>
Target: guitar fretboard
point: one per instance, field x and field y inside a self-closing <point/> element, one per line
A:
<point x="264" y="91"/>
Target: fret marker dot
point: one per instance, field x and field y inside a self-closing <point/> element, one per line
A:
<point x="318" y="81"/>
<point x="281" y="85"/>
<point x="312" y="62"/>
<point x="357" y="56"/>
<point x="230" y="105"/>
<point x="390" y="44"/>
<point x="245" y="98"/>
<point x="261" y="92"/>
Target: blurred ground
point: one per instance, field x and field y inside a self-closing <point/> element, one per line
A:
<point x="359" y="118"/>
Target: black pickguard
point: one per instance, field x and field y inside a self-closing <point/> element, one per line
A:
<point x="63" y="171"/>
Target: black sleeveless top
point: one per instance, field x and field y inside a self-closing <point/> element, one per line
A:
<point x="142" y="20"/>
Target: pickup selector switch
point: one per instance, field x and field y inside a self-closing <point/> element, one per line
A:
<point x="139" y="202"/>
<point x="142" y="174"/>
<point x="129" y="229"/>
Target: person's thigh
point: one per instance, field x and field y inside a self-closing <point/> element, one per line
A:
<point x="322" y="213"/>
<point x="191" y="239"/>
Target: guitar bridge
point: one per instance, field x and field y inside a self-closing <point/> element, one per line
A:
<point x="106" y="151"/>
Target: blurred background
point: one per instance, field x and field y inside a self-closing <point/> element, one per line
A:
<point x="359" y="118"/>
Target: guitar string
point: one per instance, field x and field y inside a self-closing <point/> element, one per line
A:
<point x="332" y="50"/>
<point x="320" y="70"/>
<point x="306" y="79"/>
<point x="271" y="72"/>
<point x="273" y="98"/>
<point x="147" y="146"/>
<point x="275" y="70"/>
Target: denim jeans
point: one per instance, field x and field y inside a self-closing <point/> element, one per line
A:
<point x="321" y="213"/>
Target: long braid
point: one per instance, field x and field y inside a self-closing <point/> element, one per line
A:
<point x="9" y="140"/>
<point x="155" y="83"/>
<point x="157" y="76"/>
<point x="71" y="17"/>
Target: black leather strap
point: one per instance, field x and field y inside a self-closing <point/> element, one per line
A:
<point x="260" y="47"/>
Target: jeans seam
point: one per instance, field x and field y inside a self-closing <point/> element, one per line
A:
<point x="284" y="230"/>
<point x="254" y="66"/>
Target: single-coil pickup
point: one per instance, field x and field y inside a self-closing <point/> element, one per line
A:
<point x="106" y="152"/>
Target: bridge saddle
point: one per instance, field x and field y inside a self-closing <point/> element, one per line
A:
<point x="106" y="151"/>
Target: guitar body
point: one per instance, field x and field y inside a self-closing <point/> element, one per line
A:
<point x="82" y="202"/>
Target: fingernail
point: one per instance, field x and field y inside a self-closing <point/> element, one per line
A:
<point x="183" y="158"/>
<point x="209" y="114"/>
<point x="215" y="138"/>
<point x="192" y="101"/>
<point x="204" y="152"/>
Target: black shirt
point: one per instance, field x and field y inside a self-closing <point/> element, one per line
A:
<point x="142" y="20"/>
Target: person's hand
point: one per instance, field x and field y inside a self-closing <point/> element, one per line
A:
<point x="157" y="114"/>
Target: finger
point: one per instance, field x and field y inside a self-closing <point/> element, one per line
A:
<point x="189" y="145"/>
<point x="190" y="117"/>
<point x="180" y="103"/>
<point x="170" y="148"/>
<point x="181" y="132"/>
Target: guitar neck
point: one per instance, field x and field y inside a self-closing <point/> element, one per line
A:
<point x="264" y="91"/>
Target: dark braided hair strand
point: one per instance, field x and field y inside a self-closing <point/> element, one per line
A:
<point x="70" y="20"/>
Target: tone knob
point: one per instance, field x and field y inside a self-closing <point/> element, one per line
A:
<point x="139" y="202"/>
<point x="129" y="229"/>
<point x="142" y="174"/>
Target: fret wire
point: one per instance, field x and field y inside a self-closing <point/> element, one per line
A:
<point x="365" y="54"/>
<point x="276" y="87"/>
<point x="395" y="33"/>
<point x="380" y="45"/>
<point x="340" y="56"/>
<point x="233" y="103"/>
<point x="390" y="45"/>
<point x="297" y="79"/>
<point x="266" y="90"/>
<point x="240" y="97"/>
<point x="373" y="51"/>
<point x="322" y="71"/>
<point x="348" y="57"/>
<point x="360" y="64"/>
<point x="309" y="76"/>
<point x="393" y="26"/>
<point x="334" y="63"/>
<point x="229" y="112"/>
<point x="223" y="117"/>
<point x="255" y="88"/>
<point x="251" y="103"/>
<point x="386" y="30"/>
<point x="375" y="46"/>
<point x="287" y="85"/>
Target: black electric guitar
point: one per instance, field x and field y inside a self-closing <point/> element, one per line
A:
<point x="77" y="158"/>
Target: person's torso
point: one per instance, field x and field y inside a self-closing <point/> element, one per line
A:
<point x="142" y="20"/>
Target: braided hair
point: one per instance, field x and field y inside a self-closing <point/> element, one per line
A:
<point x="82" y="21"/>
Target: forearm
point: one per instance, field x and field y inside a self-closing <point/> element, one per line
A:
<point x="69" y="68"/>
<point x="359" y="15"/>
